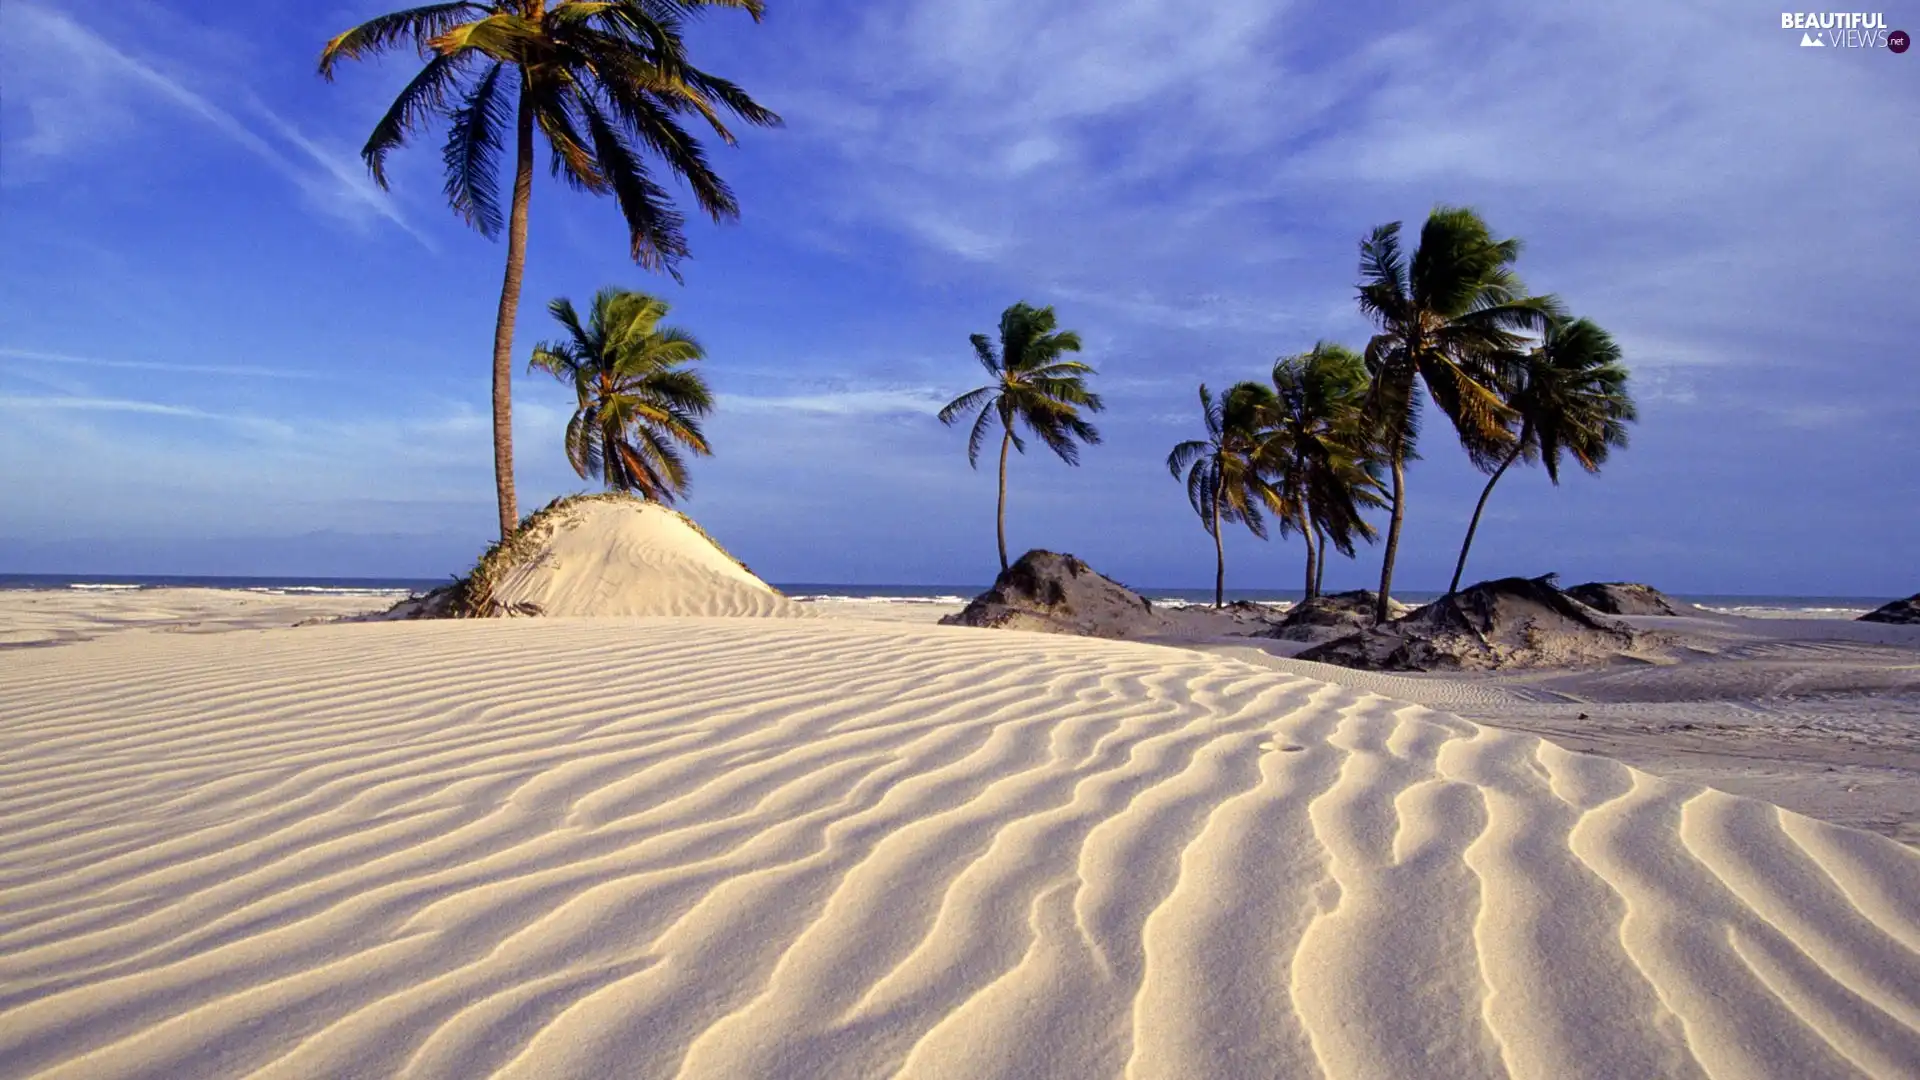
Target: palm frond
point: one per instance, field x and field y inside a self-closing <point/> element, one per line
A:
<point x="982" y="426"/>
<point x="976" y="398"/>
<point x="472" y="150"/>
<point x="654" y="227"/>
<point x="417" y="25"/>
<point x="425" y="94"/>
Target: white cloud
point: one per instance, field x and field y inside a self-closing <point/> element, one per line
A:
<point x="79" y="89"/>
<point x="65" y="360"/>
<point x="875" y="402"/>
<point x="1700" y="184"/>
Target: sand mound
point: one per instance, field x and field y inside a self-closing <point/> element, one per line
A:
<point x="1332" y="616"/>
<point x="1495" y="625"/>
<point x="794" y="848"/>
<point x="603" y="555"/>
<point x="1900" y="611"/>
<point x="1628" y="598"/>
<point x="1058" y="594"/>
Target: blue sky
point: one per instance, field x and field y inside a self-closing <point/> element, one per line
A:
<point x="222" y="350"/>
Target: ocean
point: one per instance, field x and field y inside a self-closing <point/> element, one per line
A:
<point x="1762" y="607"/>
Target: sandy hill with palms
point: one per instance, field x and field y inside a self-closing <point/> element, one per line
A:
<point x="605" y="555"/>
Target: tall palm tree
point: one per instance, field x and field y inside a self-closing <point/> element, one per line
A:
<point x="1316" y="440"/>
<point x="1446" y="318"/>
<point x="1032" y="384"/>
<point x="1224" y="481"/>
<point x="605" y="82"/>
<point x="1570" y="394"/>
<point x="636" y="399"/>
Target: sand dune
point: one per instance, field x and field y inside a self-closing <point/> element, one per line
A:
<point x="749" y="848"/>
<point x="609" y="555"/>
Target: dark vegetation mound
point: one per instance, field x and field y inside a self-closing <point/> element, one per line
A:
<point x="1508" y="623"/>
<point x="1628" y="598"/>
<point x="1332" y="616"/>
<point x="1059" y="594"/>
<point x="1900" y="611"/>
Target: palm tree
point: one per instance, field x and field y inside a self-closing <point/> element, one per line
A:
<point x="1317" y="442"/>
<point x="636" y="400"/>
<point x="616" y="68"/>
<point x="1446" y="319"/>
<point x="1224" y="481"/>
<point x="1570" y="394"/>
<point x="1033" y="385"/>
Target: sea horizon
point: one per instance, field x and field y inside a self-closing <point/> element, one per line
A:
<point x="1759" y="605"/>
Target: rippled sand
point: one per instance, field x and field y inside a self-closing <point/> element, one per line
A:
<point x="758" y="848"/>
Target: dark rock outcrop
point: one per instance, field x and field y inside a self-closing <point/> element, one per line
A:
<point x="1332" y="616"/>
<point x="1900" y="611"/>
<point x="1059" y="594"/>
<point x="1508" y="623"/>
<point x="1628" y="598"/>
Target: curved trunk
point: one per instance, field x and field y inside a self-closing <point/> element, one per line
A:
<point x="1000" y="526"/>
<point x="1219" y="549"/>
<point x="503" y="322"/>
<point x="1473" y="526"/>
<point x="1320" y="575"/>
<point x="1313" y="565"/>
<point x="1382" y="606"/>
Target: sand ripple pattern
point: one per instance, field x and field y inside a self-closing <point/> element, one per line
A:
<point x="748" y="848"/>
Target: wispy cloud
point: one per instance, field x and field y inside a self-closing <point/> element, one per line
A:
<point x="63" y="359"/>
<point x="74" y="403"/>
<point x="876" y="402"/>
<point x="68" y="53"/>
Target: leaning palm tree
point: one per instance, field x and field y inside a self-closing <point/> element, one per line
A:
<point x="1224" y="481"/>
<point x="636" y="401"/>
<point x="1033" y="385"/>
<point x="1446" y="320"/>
<point x="606" y="82"/>
<point x="1570" y="394"/>
<point x="1316" y="441"/>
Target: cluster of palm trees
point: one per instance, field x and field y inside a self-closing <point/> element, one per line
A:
<point x="1328" y="437"/>
<point x="1298" y="448"/>
<point x="606" y="85"/>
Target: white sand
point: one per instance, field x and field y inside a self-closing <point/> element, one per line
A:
<point x="627" y="557"/>
<point x="34" y="617"/>
<point x="809" y="848"/>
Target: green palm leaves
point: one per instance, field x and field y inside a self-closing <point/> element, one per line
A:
<point x="1034" y="385"/>
<point x="1319" y="444"/>
<point x="609" y="87"/>
<point x="1224" y="475"/>
<point x="1301" y="449"/>
<point x="608" y="83"/>
<point x="1569" y="397"/>
<point x="1447" y="318"/>
<point x="637" y="404"/>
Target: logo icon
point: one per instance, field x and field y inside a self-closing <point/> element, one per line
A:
<point x="1898" y="41"/>
<point x="1808" y="41"/>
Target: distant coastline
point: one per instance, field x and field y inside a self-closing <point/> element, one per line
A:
<point x="1761" y="606"/>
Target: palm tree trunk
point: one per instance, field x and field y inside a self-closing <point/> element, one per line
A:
<point x="1320" y="574"/>
<point x="1001" y="524"/>
<point x="1219" y="549"/>
<point x="1313" y="566"/>
<point x="503" y="322"/>
<point x="1473" y="526"/>
<point x="1383" y="604"/>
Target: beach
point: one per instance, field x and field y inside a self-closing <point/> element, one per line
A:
<point x="837" y="844"/>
